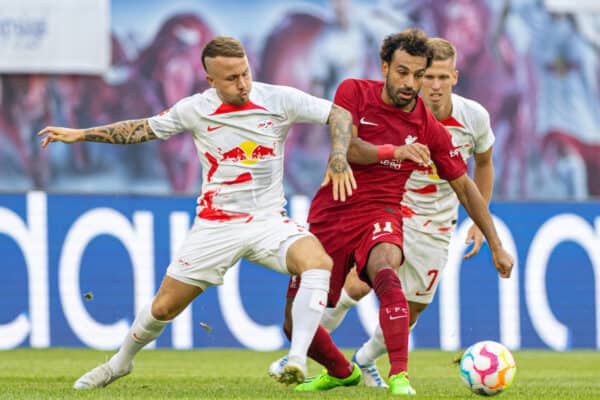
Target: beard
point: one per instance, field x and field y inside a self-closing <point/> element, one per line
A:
<point x="397" y="100"/>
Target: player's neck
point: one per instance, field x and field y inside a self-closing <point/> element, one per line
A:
<point x="444" y="112"/>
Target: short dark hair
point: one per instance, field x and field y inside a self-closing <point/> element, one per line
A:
<point x="413" y="41"/>
<point x="224" y="46"/>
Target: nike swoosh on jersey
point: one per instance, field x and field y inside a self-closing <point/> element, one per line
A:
<point x="214" y="128"/>
<point x="365" y="122"/>
<point x="379" y="235"/>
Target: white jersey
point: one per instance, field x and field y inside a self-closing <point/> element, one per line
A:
<point x="241" y="147"/>
<point x="429" y="203"/>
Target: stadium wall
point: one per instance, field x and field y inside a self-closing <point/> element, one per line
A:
<point x="76" y="267"/>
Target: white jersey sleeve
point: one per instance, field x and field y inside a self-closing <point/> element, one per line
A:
<point x="172" y="121"/>
<point x="303" y="107"/>
<point x="482" y="128"/>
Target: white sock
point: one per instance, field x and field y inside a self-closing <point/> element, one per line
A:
<point x="307" y="310"/>
<point x="145" y="329"/>
<point x="374" y="348"/>
<point x="333" y="317"/>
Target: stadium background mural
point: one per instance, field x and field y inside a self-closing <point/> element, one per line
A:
<point x="537" y="71"/>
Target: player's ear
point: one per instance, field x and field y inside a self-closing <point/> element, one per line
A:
<point x="455" y="77"/>
<point x="210" y="80"/>
<point x="384" y="68"/>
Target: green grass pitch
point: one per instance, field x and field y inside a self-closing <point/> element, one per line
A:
<point x="242" y="374"/>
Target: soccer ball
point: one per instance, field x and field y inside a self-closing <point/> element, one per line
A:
<point x="487" y="368"/>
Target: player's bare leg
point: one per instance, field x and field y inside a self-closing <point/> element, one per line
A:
<point x="172" y="298"/>
<point x="307" y="259"/>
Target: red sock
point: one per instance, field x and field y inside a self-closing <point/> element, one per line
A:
<point x="393" y="318"/>
<point x="325" y="352"/>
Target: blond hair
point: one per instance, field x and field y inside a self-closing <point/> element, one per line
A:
<point x="442" y="50"/>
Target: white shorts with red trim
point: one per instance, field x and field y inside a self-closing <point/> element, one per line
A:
<point x="211" y="247"/>
<point x="425" y="256"/>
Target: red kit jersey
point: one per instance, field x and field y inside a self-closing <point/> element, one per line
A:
<point x="381" y="185"/>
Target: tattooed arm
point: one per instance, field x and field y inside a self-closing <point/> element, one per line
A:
<point x="124" y="132"/>
<point x="338" y="171"/>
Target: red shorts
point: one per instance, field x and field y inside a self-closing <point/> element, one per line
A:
<point x="349" y="244"/>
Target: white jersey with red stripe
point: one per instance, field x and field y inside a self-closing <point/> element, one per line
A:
<point x="429" y="203"/>
<point x="241" y="148"/>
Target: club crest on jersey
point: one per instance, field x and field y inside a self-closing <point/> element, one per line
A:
<point x="264" y="124"/>
<point x="410" y="139"/>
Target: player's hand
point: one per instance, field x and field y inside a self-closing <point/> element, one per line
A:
<point x="341" y="177"/>
<point x="503" y="262"/>
<point x="416" y="152"/>
<point x="58" y="134"/>
<point x="476" y="237"/>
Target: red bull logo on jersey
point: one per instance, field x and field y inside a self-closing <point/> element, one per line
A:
<point x="248" y="153"/>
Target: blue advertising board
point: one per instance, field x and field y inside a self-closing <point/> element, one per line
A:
<point x="76" y="268"/>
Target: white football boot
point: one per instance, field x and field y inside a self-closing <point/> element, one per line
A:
<point x="294" y="372"/>
<point x="276" y="368"/>
<point x="99" y="377"/>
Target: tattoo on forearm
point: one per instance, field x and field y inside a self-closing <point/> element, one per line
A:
<point x="340" y="122"/>
<point x="126" y="132"/>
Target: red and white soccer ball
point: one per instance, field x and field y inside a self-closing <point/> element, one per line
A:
<point x="487" y="368"/>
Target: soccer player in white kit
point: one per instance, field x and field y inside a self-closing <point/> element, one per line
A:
<point x="239" y="129"/>
<point x="429" y="206"/>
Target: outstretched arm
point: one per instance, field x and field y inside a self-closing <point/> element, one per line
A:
<point x="339" y="172"/>
<point x="124" y="132"/>
<point x="483" y="175"/>
<point x="362" y="152"/>
<point x="477" y="208"/>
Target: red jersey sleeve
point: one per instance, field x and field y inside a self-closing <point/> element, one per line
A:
<point x="346" y="96"/>
<point x="450" y="164"/>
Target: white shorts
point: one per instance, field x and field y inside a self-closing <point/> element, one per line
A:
<point x="211" y="248"/>
<point x="425" y="256"/>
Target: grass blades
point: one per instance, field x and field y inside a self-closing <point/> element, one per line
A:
<point x="242" y="374"/>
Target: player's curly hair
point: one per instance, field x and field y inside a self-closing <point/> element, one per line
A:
<point x="413" y="41"/>
<point x="223" y="46"/>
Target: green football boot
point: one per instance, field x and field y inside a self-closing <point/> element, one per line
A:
<point x="327" y="382"/>
<point x="399" y="384"/>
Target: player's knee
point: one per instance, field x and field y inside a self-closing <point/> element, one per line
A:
<point x="384" y="255"/>
<point x="320" y="260"/>
<point x="357" y="289"/>
<point x="162" y="311"/>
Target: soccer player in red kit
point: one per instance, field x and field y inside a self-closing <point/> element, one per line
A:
<point x="367" y="229"/>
